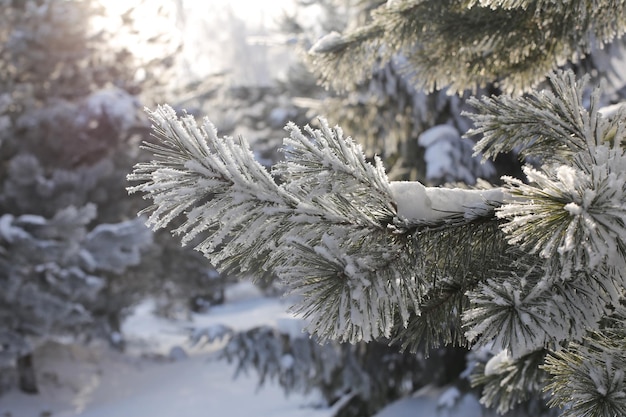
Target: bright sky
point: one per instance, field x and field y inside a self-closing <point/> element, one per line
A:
<point x="216" y="33"/>
<point x="252" y="12"/>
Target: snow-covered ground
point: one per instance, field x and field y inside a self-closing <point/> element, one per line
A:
<point x="162" y="374"/>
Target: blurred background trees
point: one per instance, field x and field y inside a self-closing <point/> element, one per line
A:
<point x="74" y="259"/>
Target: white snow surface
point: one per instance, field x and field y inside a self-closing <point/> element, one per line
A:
<point x="147" y="380"/>
<point x="435" y="402"/>
<point x="163" y="374"/>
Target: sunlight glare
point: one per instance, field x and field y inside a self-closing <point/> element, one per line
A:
<point x="216" y="35"/>
<point x="135" y="23"/>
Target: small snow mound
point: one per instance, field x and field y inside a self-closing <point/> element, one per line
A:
<point x="449" y="397"/>
<point x="440" y="132"/>
<point x="292" y="326"/>
<point x="427" y="405"/>
<point x="286" y="362"/>
<point x="495" y="363"/>
<point x="326" y="43"/>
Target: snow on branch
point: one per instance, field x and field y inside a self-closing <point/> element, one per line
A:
<point x="462" y="45"/>
<point x="331" y="230"/>
<point x="587" y="379"/>
<point x="572" y="208"/>
<point x="549" y="124"/>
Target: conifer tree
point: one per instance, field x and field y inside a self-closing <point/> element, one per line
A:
<point x="69" y="245"/>
<point x="532" y="270"/>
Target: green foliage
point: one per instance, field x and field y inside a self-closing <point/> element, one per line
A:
<point x="587" y="379"/>
<point x="551" y="125"/>
<point x="535" y="274"/>
<point x="449" y="270"/>
<point x="258" y="216"/>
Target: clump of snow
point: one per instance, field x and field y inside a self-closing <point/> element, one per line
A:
<point x="611" y="110"/>
<point x="411" y="200"/>
<point x="326" y="43"/>
<point x="286" y="362"/>
<point x="494" y="364"/>
<point x="449" y="397"/>
<point x="177" y="353"/>
<point x="112" y="104"/>
<point x="573" y="209"/>
<point x="417" y="203"/>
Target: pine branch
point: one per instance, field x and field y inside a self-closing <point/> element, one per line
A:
<point x="335" y="56"/>
<point x="572" y="212"/>
<point x="451" y="267"/>
<point x="521" y="310"/>
<point x="552" y="125"/>
<point x="217" y="184"/>
<point x="588" y="379"/>
<point x="375" y="373"/>
<point x="520" y="268"/>
<point x="573" y="216"/>
<point x="463" y="44"/>
<point x="508" y="382"/>
<point x="315" y="165"/>
<point x="328" y="230"/>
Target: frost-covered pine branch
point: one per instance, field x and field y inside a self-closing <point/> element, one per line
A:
<point x="527" y="268"/>
<point x="567" y="220"/>
<point x="466" y="44"/>
<point x="335" y="229"/>
<point x="588" y="377"/>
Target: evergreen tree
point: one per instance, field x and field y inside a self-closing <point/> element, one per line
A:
<point x="532" y="271"/>
<point x="70" y="117"/>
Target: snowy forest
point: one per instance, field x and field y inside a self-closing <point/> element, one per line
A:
<point x="319" y="208"/>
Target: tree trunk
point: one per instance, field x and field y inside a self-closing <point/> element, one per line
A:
<point x="26" y="374"/>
